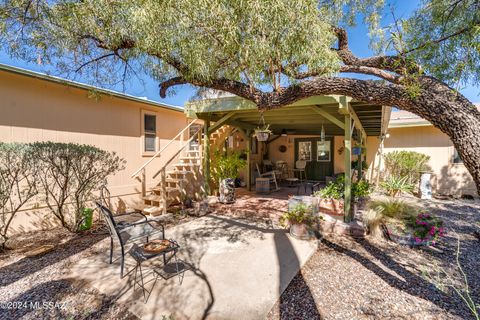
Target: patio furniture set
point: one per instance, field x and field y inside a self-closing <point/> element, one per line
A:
<point x="274" y="174"/>
<point x="144" y="229"/>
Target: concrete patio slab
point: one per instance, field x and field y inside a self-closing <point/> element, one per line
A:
<point x="240" y="269"/>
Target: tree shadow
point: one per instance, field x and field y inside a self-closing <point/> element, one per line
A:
<point x="404" y="279"/>
<point x="15" y="271"/>
<point x="291" y="306"/>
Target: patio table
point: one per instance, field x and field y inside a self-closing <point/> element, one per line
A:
<point x="139" y="254"/>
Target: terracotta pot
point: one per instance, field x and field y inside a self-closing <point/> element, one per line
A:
<point x="330" y="206"/>
<point x="299" y="230"/>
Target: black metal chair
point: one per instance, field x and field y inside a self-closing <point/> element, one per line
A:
<point x="126" y="232"/>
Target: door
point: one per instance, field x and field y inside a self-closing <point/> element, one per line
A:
<point x="318" y="154"/>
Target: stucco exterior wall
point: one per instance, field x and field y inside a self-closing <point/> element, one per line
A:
<point x="38" y="110"/>
<point x="449" y="178"/>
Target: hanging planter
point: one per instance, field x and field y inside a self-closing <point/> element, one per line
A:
<point x="262" y="132"/>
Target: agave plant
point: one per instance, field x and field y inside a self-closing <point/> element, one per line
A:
<point x="393" y="186"/>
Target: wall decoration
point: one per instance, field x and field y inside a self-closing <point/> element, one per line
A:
<point x="282" y="148"/>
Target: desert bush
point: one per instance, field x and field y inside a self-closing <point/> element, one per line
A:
<point x="381" y="212"/>
<point x="336" y="189"/>
<point x="395" y="185"/>
<point x="69" y="173"/>
<point x="406" y="164"/>
<point x="18" y="172"/>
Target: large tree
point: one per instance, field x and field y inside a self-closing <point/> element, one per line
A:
<point x="271" y="52"/>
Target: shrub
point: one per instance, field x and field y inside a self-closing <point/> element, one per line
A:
<point x="381" y="212"/>
<point x="406" y="164"/>
<point x="69" y="173"/>
<point x="394" y="185"/>
<point x="300" y="213"/>
<point x="18" y="172"/>
<point x="336" y="189"/>
<point x="427" y="227"/>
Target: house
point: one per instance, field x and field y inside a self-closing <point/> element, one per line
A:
<point x="38" y="107"/>
<point x="167" y="148"/>
<point x="407" y="131"/>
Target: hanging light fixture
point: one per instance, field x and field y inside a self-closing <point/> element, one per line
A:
<point x="284" y="132"/>
<point x="322" y="141"/>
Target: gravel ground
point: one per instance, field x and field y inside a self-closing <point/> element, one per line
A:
<point x="40" y="287"/>
<point x="372" y="279"/>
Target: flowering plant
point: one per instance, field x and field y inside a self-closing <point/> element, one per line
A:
<point x="427" y="228"/>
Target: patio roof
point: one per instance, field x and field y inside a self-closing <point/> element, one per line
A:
<point x="303" y="117"/>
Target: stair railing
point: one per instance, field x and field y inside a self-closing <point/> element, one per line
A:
<point x="142" y="169"/>
<point x="163" y="169"/>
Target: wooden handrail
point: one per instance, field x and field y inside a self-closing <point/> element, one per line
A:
<point x="161" y="150"/>
<point x="176" y="154"/>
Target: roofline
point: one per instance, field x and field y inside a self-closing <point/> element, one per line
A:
<point x="65" y="82"/>
<point x="409" y="124"/>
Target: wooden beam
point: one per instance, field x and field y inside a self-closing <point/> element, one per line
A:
<point x="249" y="159"/>
<point x="220" y="122"/>
<point x="206" y="157"/>
<point x="348" y="169"/>
<point x="357" y="122"/>
<point x="240" y="124"/>
<point x="328" y="116"/>
<point x="344" y="105"/>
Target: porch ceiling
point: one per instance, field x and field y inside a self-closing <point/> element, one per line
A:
<point x="303" y="117"/>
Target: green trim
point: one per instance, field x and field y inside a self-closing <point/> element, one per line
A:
<point x="348" y="169"/>
<point x="79" y="85"/>
<point x="410" y="124"/>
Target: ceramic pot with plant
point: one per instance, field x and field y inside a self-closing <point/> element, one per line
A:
<point x="299" y="218"/>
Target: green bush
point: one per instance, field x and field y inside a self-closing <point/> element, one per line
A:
<point x="300" y="213"/>
<point x="336" y="189"/>
<point x="406" y="164"/>
<point x="69" y="174"/>
<point x="394" y="185"/>
<point x="226" y="166"/>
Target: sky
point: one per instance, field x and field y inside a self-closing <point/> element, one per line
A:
<point x="358" y="41"/>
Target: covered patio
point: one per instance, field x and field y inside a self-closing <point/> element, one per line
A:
<point x="344" y="122"/>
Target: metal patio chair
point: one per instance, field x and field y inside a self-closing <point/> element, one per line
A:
<point x="125" y="232"/>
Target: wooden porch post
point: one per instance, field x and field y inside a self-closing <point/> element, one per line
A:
<point x="206" y="157"/>
<point x="348" y="168"/>
<point x="360" y="159"/>
<point x="249" y="165"/>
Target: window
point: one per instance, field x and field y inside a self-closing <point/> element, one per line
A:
<point x="149" y="132"/>
<point x="323" y="151"/>
<point x="456" y="157"/>
<point x="305" y="150"/>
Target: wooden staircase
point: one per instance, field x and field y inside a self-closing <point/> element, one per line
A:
<point x="179" y="181"/>
<point x="181" y="176"/>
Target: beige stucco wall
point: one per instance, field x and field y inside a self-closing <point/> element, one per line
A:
<point x="38" y="110"/>
<point x="448" y="178"/>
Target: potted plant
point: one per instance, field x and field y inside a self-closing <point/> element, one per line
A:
<point x="300" y="219"/>
<point x="330" y="198"/>
<point x="262" y="133"/>
<point x="224" y="171"/>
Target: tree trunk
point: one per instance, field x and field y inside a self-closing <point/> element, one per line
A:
<point x="436" y="102"/>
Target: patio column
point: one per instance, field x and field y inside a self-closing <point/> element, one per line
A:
<point x="206" y="157"/>
<point x="360" y="158"/>
<point x="249" y="158"/>
<point x="348" y="168"/>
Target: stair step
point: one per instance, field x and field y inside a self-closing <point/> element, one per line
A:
<point x="168" y="189"/>
<point x="174" y="180"/>
<point x="189" y="158"/>
<point x="178" y="172"/>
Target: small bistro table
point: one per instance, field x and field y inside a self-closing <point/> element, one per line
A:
<point x="140" y="255"/>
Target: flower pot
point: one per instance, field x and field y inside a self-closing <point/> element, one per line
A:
<point x="227" y="190"/>
<point x="299" y="231"/>
<point x="262" y="136"/>
<point x="331" y="206"/>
